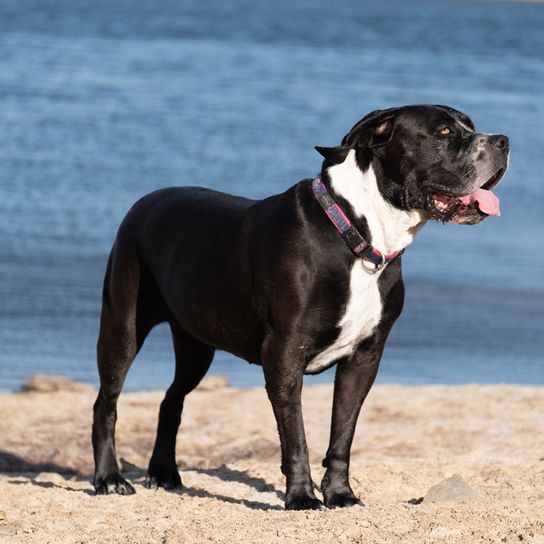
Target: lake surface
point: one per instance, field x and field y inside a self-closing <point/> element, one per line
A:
<point x="102" y="102"/>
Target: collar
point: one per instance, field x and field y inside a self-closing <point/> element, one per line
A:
<point x="358" y="245"/>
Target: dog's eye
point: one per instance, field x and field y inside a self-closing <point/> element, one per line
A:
<point x="445" y="131"/>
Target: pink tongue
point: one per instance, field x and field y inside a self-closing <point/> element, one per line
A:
<point x="486" y="201"/>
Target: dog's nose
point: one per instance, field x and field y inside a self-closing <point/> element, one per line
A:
<point x="499" y="140"/>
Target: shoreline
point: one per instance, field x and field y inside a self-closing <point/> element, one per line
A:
<point x="312" y="382"/>
<point x="409" y="439"/>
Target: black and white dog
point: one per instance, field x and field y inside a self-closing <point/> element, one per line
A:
<point x="296" y="282"/>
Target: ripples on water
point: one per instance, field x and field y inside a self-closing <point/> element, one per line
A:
<point x="102" y="103"/>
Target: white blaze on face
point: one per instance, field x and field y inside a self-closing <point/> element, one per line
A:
<point x="466" y="127"/>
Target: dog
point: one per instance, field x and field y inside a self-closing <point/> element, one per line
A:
<point x="296" y="282"/>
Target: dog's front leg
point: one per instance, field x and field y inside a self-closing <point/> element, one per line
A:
<point x="354" y="378"/>
<point x="283" y="377"/>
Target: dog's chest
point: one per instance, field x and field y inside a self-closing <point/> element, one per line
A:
<point x="362" y="315"/>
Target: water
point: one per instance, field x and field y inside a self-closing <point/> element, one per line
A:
<point x="103" y="102"/>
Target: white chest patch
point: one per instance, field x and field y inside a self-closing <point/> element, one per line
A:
<point x="392" y="229"/>
<point x="361" y="317"/>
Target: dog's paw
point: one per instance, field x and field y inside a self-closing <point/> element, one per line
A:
<point x="303" y="503"/>
<point x="114" y="483"/>
<point x="342" y="499"/>
<point x="166" y="478"/>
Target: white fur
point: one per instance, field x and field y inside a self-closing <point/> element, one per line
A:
<point x="362" y="315"/>
<point x="391" y="230"/>
<point x="466" y="127"/>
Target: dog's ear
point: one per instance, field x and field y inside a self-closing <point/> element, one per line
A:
<point x="382" y="132"/>
<point x="373" y="130"/>
<point x="336" y="155"/>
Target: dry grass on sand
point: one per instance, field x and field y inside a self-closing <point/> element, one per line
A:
<point x="408" y="440"/>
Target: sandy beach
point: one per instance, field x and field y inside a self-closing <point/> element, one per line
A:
<point x="490" y="439"/>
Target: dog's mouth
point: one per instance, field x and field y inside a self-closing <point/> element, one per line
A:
<point x="468" y="208"/>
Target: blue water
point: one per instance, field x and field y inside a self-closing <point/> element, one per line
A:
<point x="102" y="102"/>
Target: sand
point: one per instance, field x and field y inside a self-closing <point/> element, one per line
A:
<point x="489" y="440"/>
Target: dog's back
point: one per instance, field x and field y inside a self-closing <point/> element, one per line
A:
<point x="172" y="241"/>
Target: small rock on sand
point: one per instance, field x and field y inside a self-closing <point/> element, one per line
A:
<point x="2" y="515"/>
<point x="453" y="489"/>
<point x="41" y="383"/>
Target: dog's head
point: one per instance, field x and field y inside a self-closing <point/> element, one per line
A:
<point x="428" y="158"/>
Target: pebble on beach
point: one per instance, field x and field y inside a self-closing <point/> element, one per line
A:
<point x="454" y="489"/>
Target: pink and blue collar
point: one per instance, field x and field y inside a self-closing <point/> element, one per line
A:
<point x="358" y="245"/>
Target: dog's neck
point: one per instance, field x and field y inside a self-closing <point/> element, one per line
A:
<point x="386" y="227"/>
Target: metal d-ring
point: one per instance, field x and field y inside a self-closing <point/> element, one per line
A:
<point x="377" y="266"/>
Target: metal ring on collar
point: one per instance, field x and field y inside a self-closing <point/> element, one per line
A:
<point x="378" y="266"/>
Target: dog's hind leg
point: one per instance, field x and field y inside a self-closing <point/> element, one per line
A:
<point x="125" y="322"/>
<point x="193" y="359"/>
